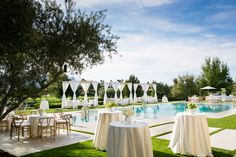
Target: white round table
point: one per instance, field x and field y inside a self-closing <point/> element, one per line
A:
<point x="190" y="135"/>
<point x="101" y="132"/>
<point x="34" y="122"/>
<point x="132" y="140"/>
<point x="44" y="105"/>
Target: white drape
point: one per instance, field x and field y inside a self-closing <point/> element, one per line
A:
<point x="121" y="87"/>
<point x="145" y="87"/>
<point x="106" y="85"/>
<point x="95" y="87"/>
<point x="74" y="85"/>
<point x="135" y="88"/>
<point x="115" y="86"/>
<point x="155" y="90"/>
<point x="65" y="85"/>
<point x="85" y="86"/>
<point x="130" y="90"/>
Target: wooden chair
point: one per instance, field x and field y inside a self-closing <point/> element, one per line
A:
<point x="4" y="124"/>
<point x="20" y="124"/>
<point x="47" y="126"/>
<point x="64" y="122"/>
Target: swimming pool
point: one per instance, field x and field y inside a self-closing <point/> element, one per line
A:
<point x="156" y="111"/>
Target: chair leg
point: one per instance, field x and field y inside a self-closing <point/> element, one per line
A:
<point x="23" y="130"/>
<point x="11" y="133"/>
<point x="18" y="133"/>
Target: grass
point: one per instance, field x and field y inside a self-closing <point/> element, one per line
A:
<point x="85" y="149"/>
<point x="228" y="122"/>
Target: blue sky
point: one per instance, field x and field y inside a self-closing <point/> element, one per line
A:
<point x="161" y="39"/>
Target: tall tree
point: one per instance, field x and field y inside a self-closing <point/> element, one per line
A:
<point x="37" y="39"/>
<point x="162" y="89"/>
<point x="215" y="73"/>
<point x="184" y="86"/>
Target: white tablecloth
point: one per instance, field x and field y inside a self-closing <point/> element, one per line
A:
<point x="101" y="133"/>
<point x="44" y="105"/>
<point x="34" y="122"/>
<point x="190" y="135"/>
<point x="131" y="140"/>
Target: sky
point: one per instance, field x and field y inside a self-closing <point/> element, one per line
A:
<point x="162" y="39"/>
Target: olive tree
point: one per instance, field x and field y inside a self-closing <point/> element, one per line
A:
<point x="37" y="40"/>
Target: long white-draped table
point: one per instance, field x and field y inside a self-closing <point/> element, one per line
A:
<point x="104" y="119"/>
<point x="34" y="122"/>
<point x="132" y="140"/>
<point x="190" y="135"/>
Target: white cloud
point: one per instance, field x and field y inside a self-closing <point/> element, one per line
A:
<point x="224" y="15"/>
<point x="162" y="60"/>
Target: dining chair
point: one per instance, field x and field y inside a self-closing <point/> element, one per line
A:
<point x="46" y="127"/>
<point x="4" y="124"/>
<point x="20" y="124"/>
<point x="64" y="122"/>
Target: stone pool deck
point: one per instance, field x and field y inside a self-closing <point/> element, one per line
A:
<point x="28" y="145"/>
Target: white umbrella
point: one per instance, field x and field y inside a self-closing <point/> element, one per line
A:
<point x="208" y="88"/>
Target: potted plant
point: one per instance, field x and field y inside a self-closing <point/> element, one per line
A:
<point x="191" y="107"/>
<point x="128" y="112"/>
<point x="110" y="105"/>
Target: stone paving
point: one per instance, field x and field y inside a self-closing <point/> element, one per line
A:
<point x="27" y="145"/>
<point x="225" y="139"/>
<point x="161" y="129"/>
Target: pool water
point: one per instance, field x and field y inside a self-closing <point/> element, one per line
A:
<point x="157" y="111"/>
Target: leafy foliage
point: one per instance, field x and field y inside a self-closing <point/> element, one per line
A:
<point x="38" y="38"/>
<point x="184" y="86"/>
<point x="215" y="73"/>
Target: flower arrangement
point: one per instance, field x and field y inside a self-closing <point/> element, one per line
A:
<point x="128" y="112"/>
<point x="191" y="106"/>
<point x="110" y="104"/>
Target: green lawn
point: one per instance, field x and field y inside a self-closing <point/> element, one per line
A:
<point x="85" y="149"/>
<point x="160" y="147"/>
<point x="224" y="123"/>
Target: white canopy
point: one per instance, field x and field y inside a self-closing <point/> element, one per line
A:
<point x="65" y="85"/>
<point x="130" y="94"/>
<point x="95" y="86"/>
<point x="115" y="86"/>
<point x="145" y="87"/>
<point x="121" y="87"/>
<point x="85" y="85"/>
<point x="135" y="88"/>
<point x="106" y="85"/>
<point x="74" y="85"/>
<point x="155" y="90"/>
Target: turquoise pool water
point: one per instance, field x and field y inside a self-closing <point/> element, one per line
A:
<point x="156" y="111"/>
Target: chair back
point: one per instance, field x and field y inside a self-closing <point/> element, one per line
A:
<point x="17" y="121"/>
<point x="67" y="117"/>
<point x="47" y="121"/>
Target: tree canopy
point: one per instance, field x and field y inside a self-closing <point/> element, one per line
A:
<point x="37" y="39"/>
<point x="215" y="73"/>
<point x="184" y="86"/>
